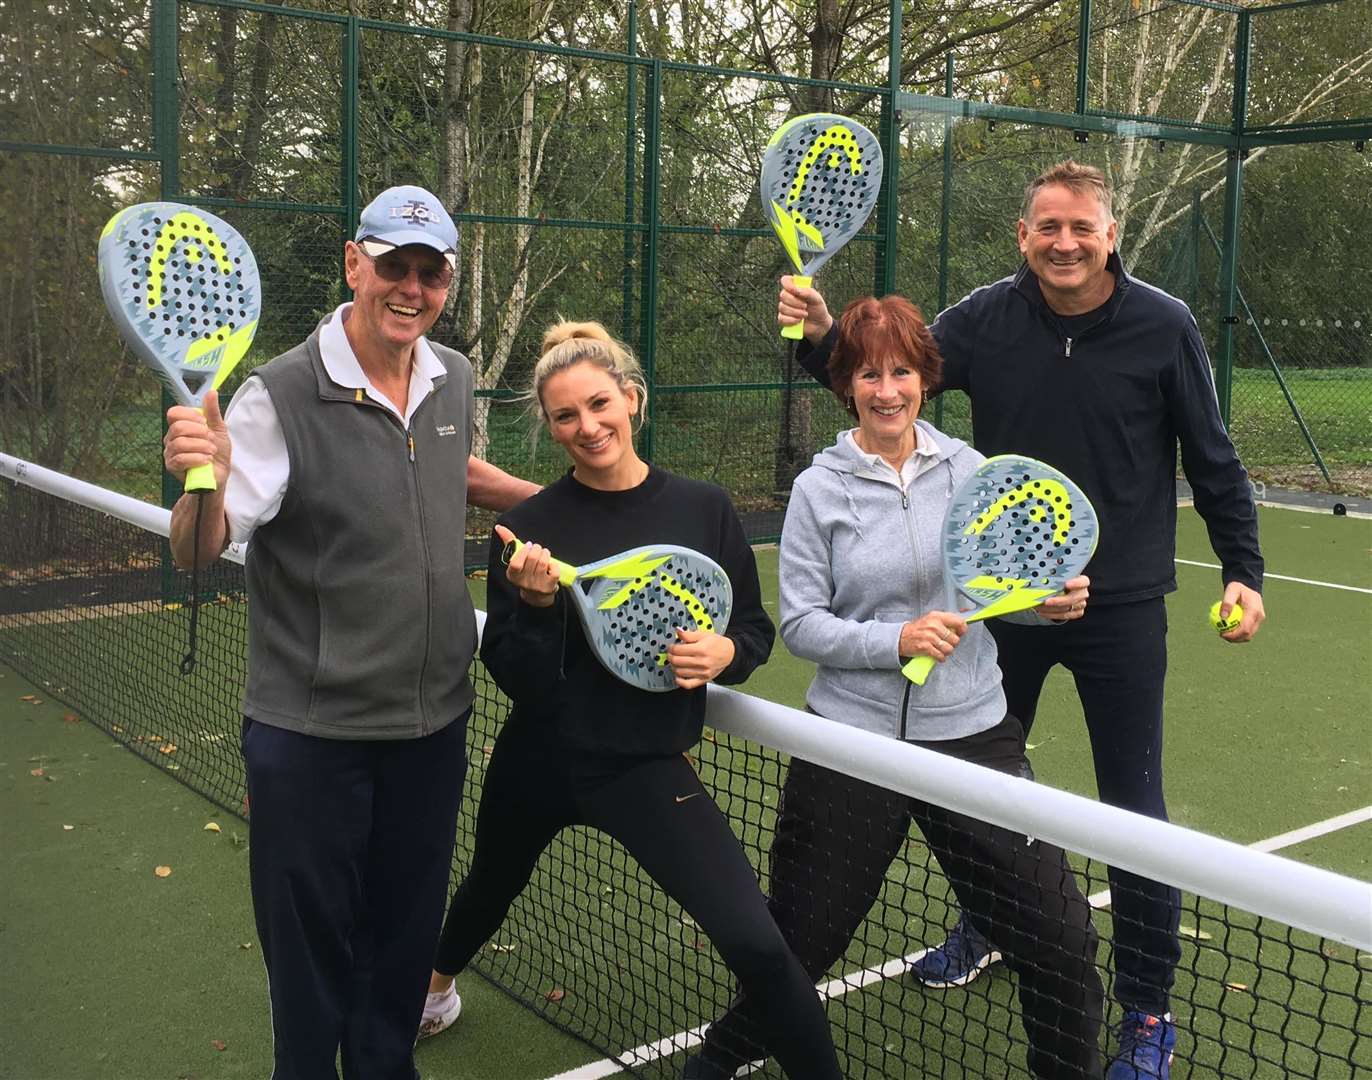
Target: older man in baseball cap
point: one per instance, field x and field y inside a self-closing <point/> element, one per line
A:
<point x="346" y="462"/>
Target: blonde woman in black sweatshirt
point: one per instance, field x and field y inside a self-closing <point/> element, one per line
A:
<point x="582" y="748"/>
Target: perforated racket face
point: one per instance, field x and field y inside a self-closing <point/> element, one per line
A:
<point x="1016" y="524"/>
<point x="821" y="175"/>
<point x="631" y="605"/>
<point x="182" y="288"/>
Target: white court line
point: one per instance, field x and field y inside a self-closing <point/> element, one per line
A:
<point x="1282" y="577"/>
<point x="857" y="980"/>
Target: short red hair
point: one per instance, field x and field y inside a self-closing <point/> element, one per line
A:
<point x="872" y="330"/>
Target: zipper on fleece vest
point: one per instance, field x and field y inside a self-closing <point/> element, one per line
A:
<point x="425" y="726"/>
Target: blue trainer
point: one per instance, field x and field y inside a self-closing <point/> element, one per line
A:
<point x="959" y="960"/>
<point x="1145" y="1047"/>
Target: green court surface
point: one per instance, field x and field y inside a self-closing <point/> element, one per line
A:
<point x="114" y="972"/>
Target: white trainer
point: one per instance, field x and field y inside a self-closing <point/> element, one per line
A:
<point x="440" y="1010"/>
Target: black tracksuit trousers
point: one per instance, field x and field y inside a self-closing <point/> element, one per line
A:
<point x="835" y="839"/>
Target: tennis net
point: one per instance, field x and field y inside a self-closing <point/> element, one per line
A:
<point x="1274" y="978"/>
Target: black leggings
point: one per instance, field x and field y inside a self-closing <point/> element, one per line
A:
<point x="662" y="815"/>
<point x="836" y="837"/>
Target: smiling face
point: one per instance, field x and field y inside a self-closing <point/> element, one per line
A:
<point x="591" y="416"/>
<point x="886" y="396"/>
<point x="1065" y="238"/>
<point x="388" y="316"/>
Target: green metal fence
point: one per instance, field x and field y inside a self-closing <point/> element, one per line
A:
<point x="609" y="184"/>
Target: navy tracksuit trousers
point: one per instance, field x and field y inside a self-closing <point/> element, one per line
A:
<point x="1117" y="654"/>
<point x="351" y="846"/>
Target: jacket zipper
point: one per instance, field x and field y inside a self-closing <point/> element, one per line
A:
<point x="425" y="727"/>
<point x="1067" y="354"/>
<point x="914" y="555"/>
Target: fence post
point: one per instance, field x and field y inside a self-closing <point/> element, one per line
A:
<point x="888" y="213"/>
<point x="1193" y="284"/>
<point x="1083" y="54"/>
<point x="945" y="211"/>
<point x="165" y="107"/>
<point x="347" y="180"/>
<point x="1233" y="193"/>
<point x="166" y="141"/>
<point x="630" y="153"/>
<point x="648" y="271"/>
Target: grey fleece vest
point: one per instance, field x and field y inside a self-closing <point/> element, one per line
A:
<point x="360" y="625"/>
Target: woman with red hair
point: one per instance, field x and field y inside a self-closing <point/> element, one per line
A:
<point x="861" y="587"/>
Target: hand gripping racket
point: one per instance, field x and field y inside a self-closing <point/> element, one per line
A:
<point x="821" y="175"/>
<point x="631" y="604"/>
<point x="182" y="288"/>
<point x="1014" y="533"/>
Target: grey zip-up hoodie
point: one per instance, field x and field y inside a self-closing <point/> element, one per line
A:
<point x="859" y="559"/>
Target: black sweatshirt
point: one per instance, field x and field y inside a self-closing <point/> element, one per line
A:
<point x="1106" y="398"/>
<point x="540" y="657"/>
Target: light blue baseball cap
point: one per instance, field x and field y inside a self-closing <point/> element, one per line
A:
<point x="409" y="215"/>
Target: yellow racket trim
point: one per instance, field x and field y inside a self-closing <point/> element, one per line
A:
<point x="838" y="142"/>
<point x="1051" y="496"/>
<point x="917" y="668"/>
<point x="693" y="605"/>
<point x="200" y="239"/>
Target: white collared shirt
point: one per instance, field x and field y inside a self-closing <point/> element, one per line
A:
<point x="261" y="467"/>
<point x="924" y="457"/>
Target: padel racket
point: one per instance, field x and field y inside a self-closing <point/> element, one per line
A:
<point x="182" y="288"/>
<point x="1015" y="532"/>
<point x="631" y="604"/>
<point x="821" y="175"/>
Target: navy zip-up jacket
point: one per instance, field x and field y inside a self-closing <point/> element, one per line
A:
<point x="1108" y="405"/>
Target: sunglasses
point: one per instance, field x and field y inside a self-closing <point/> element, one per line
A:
<point x="393" y="267"/>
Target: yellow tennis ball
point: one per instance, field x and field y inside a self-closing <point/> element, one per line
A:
<point x="1223" y="625"/>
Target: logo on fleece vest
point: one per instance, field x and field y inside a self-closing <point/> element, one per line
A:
<point x="446" y="429"/>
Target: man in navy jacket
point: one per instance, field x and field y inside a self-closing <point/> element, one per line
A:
<point x="1072" y="361"/>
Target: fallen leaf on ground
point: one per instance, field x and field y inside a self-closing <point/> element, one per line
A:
<point x="70" y="718"/>
<point x="1236" y="986"/>
<point x="1192" y="932"/>
<point x="211" y="826"/>
<point x="116" y="729"/>
<point x="68" y="828"/>
<point x="246" y="945"/>
<point x="497" y="947"/>
<point x="31" y="699"/>
<point x="162" y="871"/>
<point x="170" y="748"/>
<point x="36" y="772"/>
<point x="556" y="994"/>
<point x="219" y="1044"/>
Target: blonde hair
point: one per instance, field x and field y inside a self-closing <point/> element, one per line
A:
<point x="1081" y="179"/>
<point x="566" y="344"/>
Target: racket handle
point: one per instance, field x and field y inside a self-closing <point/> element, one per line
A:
<point x="917" y="669"/>
<point x="566" y="575"/>
<point x="796" y="331"/>
<point x="201" y="478"/>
